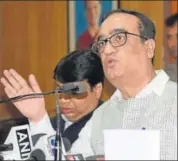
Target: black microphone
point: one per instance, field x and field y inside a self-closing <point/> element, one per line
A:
<point x="37" y="155"/>
<point x="74" y="88"/>
<point x="6" y="147"/>
<point x="1" y="158"/>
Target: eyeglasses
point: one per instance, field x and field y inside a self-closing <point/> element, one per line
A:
<point x="115" y="40"/>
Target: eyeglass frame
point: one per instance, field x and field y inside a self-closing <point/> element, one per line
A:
<point x="109" y="40"/>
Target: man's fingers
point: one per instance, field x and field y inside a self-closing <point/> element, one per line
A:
<point x="4" y="82"/>
<point x="10" y="90"/>
<point x="18" y="77"/>
<point x="12" y="80"/>
<point x="34" y="84"/>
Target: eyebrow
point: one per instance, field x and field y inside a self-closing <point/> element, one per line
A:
<point x="117" y="30"/>
<point x="114" y="31"/>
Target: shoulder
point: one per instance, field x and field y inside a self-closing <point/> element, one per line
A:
<point x="171" y="90"/>
<point x="106" y="107"/>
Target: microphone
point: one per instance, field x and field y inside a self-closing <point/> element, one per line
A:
<point x="1" y="158"/>
<point x="74" y="88"/>
<point x="37" y="155"/>
<point x="47" y="144"/>
<point x="6" y="147"/>
<point x="18" y="144"/>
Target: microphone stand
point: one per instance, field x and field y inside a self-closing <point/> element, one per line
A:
<point x="58" y="145"/>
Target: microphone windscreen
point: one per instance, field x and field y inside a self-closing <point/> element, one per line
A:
<point x="1" y="158"/>
<point x="37" y="155"/>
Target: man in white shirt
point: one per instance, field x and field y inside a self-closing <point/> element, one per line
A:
<point x="144" y="98"/>
<point x="81" y="66"/>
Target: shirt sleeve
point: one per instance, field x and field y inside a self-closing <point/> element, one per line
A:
<point x="83" y="144"/>
<point x="43" y="126"/>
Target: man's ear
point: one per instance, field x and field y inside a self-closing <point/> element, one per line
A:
<point x="150" y="48"/>
<point x="97" y="89"/>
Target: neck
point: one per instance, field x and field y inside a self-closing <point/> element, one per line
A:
<point x="132" y="88"/>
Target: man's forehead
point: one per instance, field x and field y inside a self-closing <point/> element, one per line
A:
<point x="118" y="21"/>
<point x="111" y="32"/>
<point x="173" y="27"/>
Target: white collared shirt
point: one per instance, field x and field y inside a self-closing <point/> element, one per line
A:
<point x="156" y="85"/>
<point x="82" y="145"/>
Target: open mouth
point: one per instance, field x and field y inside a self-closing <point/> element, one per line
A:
<point x="111" y="63"/>
<point x="66" y="110"/>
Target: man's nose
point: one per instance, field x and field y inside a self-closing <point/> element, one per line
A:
<point x="109" y="49"/>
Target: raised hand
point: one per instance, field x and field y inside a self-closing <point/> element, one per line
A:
<point x="15" y="85"/>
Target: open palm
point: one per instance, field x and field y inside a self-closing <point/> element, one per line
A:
<point x="34" y="107"/>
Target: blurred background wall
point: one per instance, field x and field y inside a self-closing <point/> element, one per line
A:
<point x="33" y="37"/>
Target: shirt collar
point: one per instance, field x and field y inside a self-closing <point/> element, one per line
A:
<point x="69" y="123"/>
<point x="157" y="86"/>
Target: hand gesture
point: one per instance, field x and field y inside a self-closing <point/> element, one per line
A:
<point x="15" y="85"/>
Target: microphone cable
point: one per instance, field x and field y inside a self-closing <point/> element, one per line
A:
<point x="31" y="95"/>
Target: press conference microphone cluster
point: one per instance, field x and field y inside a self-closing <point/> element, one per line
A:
<point x="74" y="88"/>
<point x="18" y="144"/>
<point x="18" y="139"/>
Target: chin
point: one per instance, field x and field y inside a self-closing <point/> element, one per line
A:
<point x="113" y="76"/>
<point x="71" y="119"/>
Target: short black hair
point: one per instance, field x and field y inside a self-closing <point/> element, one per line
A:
<point x="171" y="20"/>
<point x="146" y="26"/>
<point x="80" y="65"/>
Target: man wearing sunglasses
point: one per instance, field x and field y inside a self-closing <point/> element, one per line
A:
<point x="81" y="66"/>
